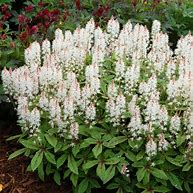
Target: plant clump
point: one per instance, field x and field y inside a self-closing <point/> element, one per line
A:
<point x="110" y="106"/>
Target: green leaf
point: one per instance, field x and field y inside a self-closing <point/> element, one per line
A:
<point x="17" y="153"/>
<point x="161" y="189"/>
<point x="41" y="171"/>
<point x="29" y="168"/>
<point x="131" y="156"/>
<point x="27" y="152"/>
<point x="112" y="186"/>
<point x="135" y="144"/>
<point x="66" y="174"/>
<point x="132" y="144"/>
<point x="75" y="150"/>
<point x="112" y="161"/>
<point x="120" y="190"/>
<point x="109" y="174"/>
<point x="97" y="150"/>
<point x="72" y="164"/>
<point x="29" y="144"/>
<point x="141" y="186"/>
<point x="49" y="169"/>
<point x="74" y="179"/>
<point x="52" y="140"/>
<point x="64" y="147"/>
<point x="13" y="137"/>
<point x="115" y="141"/>
<point x="140" y="155"/>
<point x="50" y="157"/>
<point x="100" y="171"/>
<point x="83" y="186"/>
<point x="173" y="161"/>
<point x="58" y="147"/>
<point x="103" y="86"/>
<point x="186" y="167"/>
<point x="139" y="164"/>
<point x="89" y="164"/>
<point x="158" y="173"/>
<point x="187" y="187"/>
<point x="180" y="139"/>
<point x="146" y="178"/>
<point x="174" y="180"/>
<point x="90" y="141"/>
<point x="94" y="183"/>
<point x="84" y="144"/>
<point x="36" y="160"/>
<point x="57" y="178"/>
<point x="96" y="133"/>
<point x="140" y="174"/>
<point x="61" y="160"/>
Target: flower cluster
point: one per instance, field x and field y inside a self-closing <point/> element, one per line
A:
<point x="145" y="92"/>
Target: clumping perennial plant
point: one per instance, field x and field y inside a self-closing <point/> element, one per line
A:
<point x="113" y="105"/>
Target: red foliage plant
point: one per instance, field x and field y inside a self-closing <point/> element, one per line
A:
<point x="29" y="8"/>
<point x="78" y="5"/>
<point x="101" y="11"/>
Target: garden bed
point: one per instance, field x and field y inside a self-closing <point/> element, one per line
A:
<point x="13" y="174"/>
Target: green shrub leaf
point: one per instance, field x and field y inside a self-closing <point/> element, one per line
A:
<point x="36" y="160"/>
<point x="29" y="144"/>
<point x="140" y="174"/>
<point x="41" y="171"/>
<point x="173" y="161"/>
<point x="61" y="160"/>
<point x="174" y="180"/>
<point x="17" y="153"/>
<point x="89" y="164"/>
<point x="66" y="174"/>
<point x="131" y="156"/>
<point x="57" y="177"/>
<point x="180" y="139"/>
<point x="52" y="140"/>
<point x="72" y="164"/>
<point x="140" y="155"/>
<point x="112" y="161"/>
<point x="187" y="187"/>
<point x="109" y="174"/>
<point x="112" y="186"/>
<point x="158" y="173"/>
<point x="161" y="189"/>
<point x="14" y="137"/>
<point x="186" y="167"/>
<point x="83" y="186"/>
<point x="101" y="171"/>
<point x="97" y="150"/>
<point x="74" y="179"/>
<point x="115" y="141"/>
<point x="146" y="178"/>
<point x="50" y="157"/>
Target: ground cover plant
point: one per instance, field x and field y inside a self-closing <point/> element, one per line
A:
<point x="110" y="108"/>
